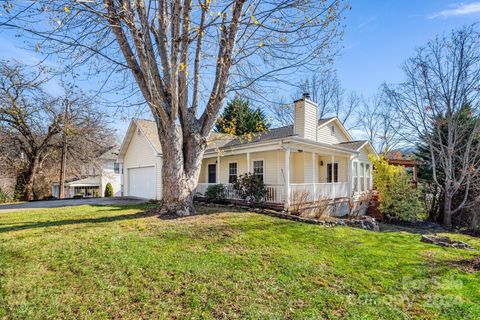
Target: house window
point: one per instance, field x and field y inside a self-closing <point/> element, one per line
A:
<point x="331" y="174"/>
<point x="116" y="167"/>
<point x="355" y="176"/>
<point x="258" y="169"/>
<point x="367" y="176"/>
<point x="232" y="172"/>
<point x="332" y="130"/>
<point x="212" y="173"/>
<point x="362" y="176"/>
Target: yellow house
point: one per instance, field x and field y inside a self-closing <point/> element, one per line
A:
<point x="314" y="157"/>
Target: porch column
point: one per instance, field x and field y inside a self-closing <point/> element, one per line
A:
<point x="217" y="178"/>
<point x="314" y="178"/>
<point x="333" y="176"/>
<point x="287" y="178"/>
<point x="248" y="162"/>
<point x="365" y="176"/>
<point x="349" y="177"/>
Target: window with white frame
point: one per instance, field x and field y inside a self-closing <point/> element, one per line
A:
<point x="232" y="172"/>
<point x="367" y="175"/>
<point x="332" y="130"/>
<point x="362" y="176"/>
<point x="116" y="167"/>
<point x="355" y="176"/>
<point x="258" y="169"/>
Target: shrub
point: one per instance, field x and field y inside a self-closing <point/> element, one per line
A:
<point x="108" y="190"/>
<point x="250" y="188"/>
<point x="398" y="198"/>
<point x="3" y="196"/>
<point x="215" y="193"/>
<point x="300" y="202"/>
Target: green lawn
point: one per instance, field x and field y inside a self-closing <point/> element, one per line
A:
<point x="118" y="262"/>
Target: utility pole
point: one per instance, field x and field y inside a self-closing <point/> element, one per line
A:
<point x="64" y="152"/>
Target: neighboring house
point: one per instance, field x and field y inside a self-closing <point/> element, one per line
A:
<point x="318" y="157"/>
<point x="94" y="178"/>
<point x="397" y="158"/>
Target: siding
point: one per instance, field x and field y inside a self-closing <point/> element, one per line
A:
<point x="305" y="119"/>
<point x="342" y="168"/>
<point x="141" y="154"/>
<point x="272" y="172"/>
<point x="324" y="134"/>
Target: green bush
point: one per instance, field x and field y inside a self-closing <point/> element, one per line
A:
<point x="3" y="196"/>
<point x="215" y="193"/>
<point x="399" y="199"/>
<point x="250" y="188"/>
<point x="108" y="190"/>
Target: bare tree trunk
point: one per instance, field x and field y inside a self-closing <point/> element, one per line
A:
<point x="29" y="179"/>
<point x="447" y="210"/>
<point x="180" y="172"/>
<point x="61" y="194"/>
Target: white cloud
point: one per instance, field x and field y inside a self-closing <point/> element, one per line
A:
<point x="457" y="10"/>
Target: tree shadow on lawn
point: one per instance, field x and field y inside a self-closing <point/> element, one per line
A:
<point x="56" y="223"/>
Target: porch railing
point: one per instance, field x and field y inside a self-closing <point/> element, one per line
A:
<point x="317" y="191"/>
<point x="275" y="193"/>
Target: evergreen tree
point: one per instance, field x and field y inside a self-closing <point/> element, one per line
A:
<point x="109" y="190"/>
<point x="240" y="119"/>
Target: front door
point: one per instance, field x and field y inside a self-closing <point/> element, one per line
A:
<point x="212" y="173"/>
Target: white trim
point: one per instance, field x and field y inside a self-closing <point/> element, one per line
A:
<point x="264" y="167"/>
<point x="228" y="169"/>
<point x="340" y="125"/>
<point x="326" y="171"/>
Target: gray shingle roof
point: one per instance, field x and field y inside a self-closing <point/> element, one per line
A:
<point x="324" y="120"/>
<point x="149" y="128"/>
<point x="219" y="140"/>
<point x="354" y="145"/>
<point x="274" y="133"/>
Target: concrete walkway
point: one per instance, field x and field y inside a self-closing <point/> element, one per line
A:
<point x="69" y="203"/>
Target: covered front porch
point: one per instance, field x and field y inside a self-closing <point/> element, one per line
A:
<point x="291" y="172"/>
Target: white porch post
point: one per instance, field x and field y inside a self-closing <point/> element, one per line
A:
<point x="333" y="176"/>
<point x="364" y="176"/>
<point x="248" y="162"/>
<point x="287" y="178"/>
<point x="314" y="172"/>
<point x="217" y="178"/>
<point x="349" y="185"/>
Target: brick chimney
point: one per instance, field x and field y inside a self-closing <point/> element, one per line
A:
<point x="305" y="118"/>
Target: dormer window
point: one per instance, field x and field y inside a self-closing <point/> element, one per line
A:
<point x="332" y="130"/>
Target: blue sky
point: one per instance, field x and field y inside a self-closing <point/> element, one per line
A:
<point x="379" y="36"/>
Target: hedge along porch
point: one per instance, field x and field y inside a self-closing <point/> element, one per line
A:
<point x="318" y="172"/>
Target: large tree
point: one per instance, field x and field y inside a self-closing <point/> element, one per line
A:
<point x="441" y="79"/>
<point x="185" y="57"/>
<point x="31" y="124"/>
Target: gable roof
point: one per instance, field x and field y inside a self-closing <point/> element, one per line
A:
<point x="221" y="140"/>
<point x="110" y="154"/>
<point x="323" y="122"/>
<point x="357" y="145"/>
<point x="149" y="130"/>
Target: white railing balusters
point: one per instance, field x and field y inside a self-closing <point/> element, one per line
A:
<point x="275" y="193"/>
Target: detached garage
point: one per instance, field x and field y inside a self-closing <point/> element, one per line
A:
<point x="141" y="158"/>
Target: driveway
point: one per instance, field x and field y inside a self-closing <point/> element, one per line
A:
<point x="69" y="203"/>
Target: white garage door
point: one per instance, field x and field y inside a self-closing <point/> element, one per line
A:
<point x="141" y="182"/>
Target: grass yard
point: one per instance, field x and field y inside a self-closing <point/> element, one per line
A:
<point x="95" y="262"/>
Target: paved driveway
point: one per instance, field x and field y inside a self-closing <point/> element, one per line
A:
<point x="69" y="202"/>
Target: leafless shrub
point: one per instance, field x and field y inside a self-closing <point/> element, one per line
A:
<point x="300" y="202"/>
